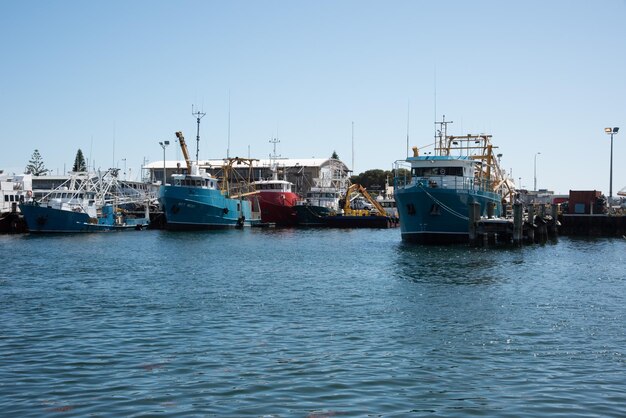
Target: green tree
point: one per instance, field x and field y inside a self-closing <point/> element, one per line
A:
<point x="35" y="166"/>
<point x="79" y="162"/>
<point x="372" y="179"/>
<point x="335" y="156"/>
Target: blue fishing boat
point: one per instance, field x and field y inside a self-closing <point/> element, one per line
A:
<point x="433" y="191"/>
<point x="88" y="203"/>
<point x="196" y="200"/>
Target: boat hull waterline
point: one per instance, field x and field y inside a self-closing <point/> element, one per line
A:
<point x="194" y="208"/>
<point x="47" y="219"/>
<point x="440" y="216"/>
<point x="278" y="208"/>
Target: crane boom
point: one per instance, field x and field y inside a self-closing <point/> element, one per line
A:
<point x="360" y="189"/>
<point x="183" y="147"/>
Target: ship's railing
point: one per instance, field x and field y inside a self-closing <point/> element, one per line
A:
<point x="443" y="182"/>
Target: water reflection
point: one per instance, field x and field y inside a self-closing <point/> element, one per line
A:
<point x="455" y="265"/>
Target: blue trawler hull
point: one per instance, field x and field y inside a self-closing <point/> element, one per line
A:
<point x="440" y="216"/>
<point x="192" y="208"/>
<point x="46" y="219"/>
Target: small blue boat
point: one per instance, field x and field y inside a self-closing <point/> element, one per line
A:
<point x="434" y="193"/>
<point x="88" y="203"/>
<point x="195" y="200"/>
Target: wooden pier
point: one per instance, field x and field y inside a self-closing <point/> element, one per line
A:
<point x="535" y="225"/>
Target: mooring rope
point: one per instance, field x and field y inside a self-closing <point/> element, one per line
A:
<point x="452" y="211"/>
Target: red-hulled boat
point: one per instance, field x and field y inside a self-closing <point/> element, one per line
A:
<point x="276" y="200"/>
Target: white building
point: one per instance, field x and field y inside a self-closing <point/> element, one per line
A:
<point x="300" y="172"/>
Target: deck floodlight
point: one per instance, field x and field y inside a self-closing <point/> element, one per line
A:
<point x="615" y="130"/>
<point x="608" y="130"/>
<point x="167" y="142"/>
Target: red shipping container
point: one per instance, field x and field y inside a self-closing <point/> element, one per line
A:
<point x="582" y="201"/>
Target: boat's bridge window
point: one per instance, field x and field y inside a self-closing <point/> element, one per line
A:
<point x="437" y="171"/>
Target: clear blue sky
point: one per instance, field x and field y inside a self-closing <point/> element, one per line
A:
<point x="116" y="77"/>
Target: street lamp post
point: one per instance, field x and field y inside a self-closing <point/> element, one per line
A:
<point x="536" y="170"/>
<point x="611" y="131"/>
<point x="163" y="145"/>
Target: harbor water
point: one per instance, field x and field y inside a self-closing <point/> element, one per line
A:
<point x="309" y="323"/>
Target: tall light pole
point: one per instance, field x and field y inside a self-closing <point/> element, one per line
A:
<point x="611" y="131"/>
<point x="536" y="170"/>
<point x="163" y="145"/>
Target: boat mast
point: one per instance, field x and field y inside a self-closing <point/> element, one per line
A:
<point x="441" y="135"/>
<point x="273" y="157"/>
<point x="199" y="115"/>
<point x="228" y="147"/>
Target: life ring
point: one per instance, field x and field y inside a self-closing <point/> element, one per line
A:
<point x="442" y="171"/>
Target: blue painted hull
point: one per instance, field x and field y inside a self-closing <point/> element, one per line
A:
<point x="192" y="208"/>
<point x="439" y="216"/>
<point x="46" y="219"/>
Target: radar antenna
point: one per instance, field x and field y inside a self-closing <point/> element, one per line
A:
<point x="199" y="115"/>
<point x="442" y="133"/>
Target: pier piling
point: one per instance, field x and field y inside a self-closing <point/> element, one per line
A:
<point x="518" y="223"/>
<point x="473" y="217"/>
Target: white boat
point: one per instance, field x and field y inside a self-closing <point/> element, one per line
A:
<point x="14" y="189"/>
<point x="323" y="198"/>
<point x="88" y="202"/>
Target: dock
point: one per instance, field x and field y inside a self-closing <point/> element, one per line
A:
<point x="593" y="225"/>
<point x="535" y="225"/>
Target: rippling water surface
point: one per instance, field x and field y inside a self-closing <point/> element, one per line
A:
<point x="308" y="323"/>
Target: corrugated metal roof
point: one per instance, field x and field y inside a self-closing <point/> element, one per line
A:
<point x="287" y="162"/>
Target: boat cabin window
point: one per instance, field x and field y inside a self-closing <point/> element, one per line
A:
<point x="437" y="171"/>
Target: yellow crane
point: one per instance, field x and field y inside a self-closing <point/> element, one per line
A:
<point x="360" y="189"/>
<point x="183" y="147"/>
